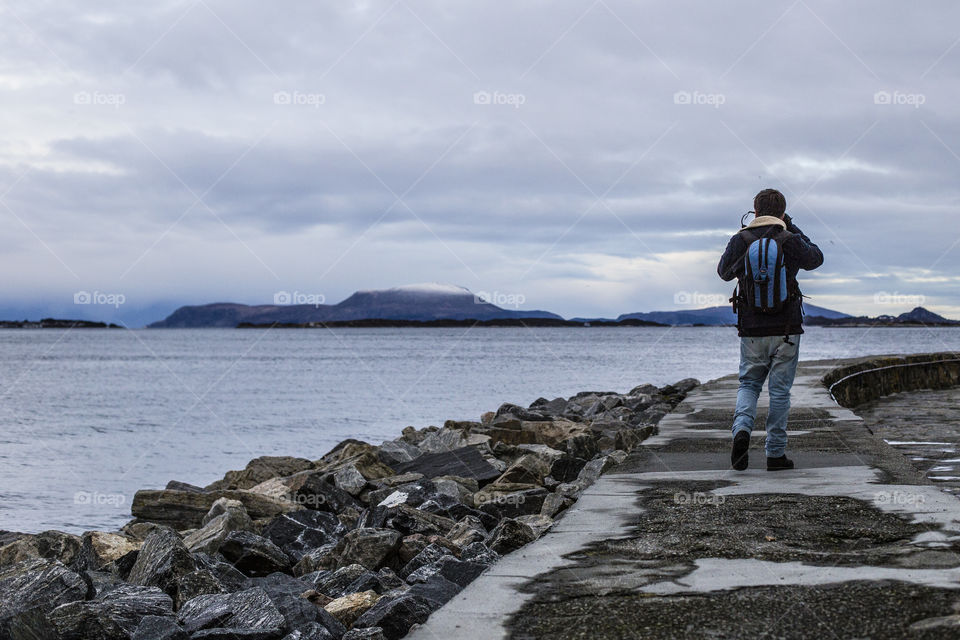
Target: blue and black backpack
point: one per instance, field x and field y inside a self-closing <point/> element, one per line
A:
<point x="764" y="288"/>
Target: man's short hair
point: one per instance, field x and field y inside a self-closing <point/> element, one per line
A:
<point x="770" y="202"/>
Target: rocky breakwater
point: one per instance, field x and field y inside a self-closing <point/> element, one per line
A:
<point x="363" y="543"/>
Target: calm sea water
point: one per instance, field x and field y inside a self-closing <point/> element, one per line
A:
<point x="90" y="416"/>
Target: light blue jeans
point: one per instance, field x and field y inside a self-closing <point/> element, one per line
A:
<point x="760" y="357"/>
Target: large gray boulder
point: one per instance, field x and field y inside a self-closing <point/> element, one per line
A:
<point x="395" y="616"/>
<point x="253" y="555"/>
<point x="369" y="547"/>
<point x="248" y="610"/>
<point x="225" y="516"/>
<point x="34" y="588"/>
<point x="162" y="560"/>
<point x="52" y="545"/>
<point x="115" y="615"/>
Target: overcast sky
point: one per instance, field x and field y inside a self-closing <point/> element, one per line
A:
<point x="591" y="157"/>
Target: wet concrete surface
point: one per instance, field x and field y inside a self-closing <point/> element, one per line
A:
<point x="854" y="543"/>
<point x="925" y="427"/>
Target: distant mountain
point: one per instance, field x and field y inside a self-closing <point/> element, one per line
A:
<point x="918" y="316"/>
<point x="422" y="302"/>
<point x="925" y="316"/>
<point x="716" y="315"/>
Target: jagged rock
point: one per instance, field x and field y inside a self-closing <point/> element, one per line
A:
<point x="348" y="608"/>
<point x="442" y="440"/>
<point x="479" y="552"/>
<point x="628" y="439"/>
<point x="315" y="490"/>
<point x="554" y="504"/>
<point x="337" y="583"/>
<point x="348" y="479"/>
<point x="159" y="628"/>
<point x="459" y="488"/>
<point x="186" y="510"/>
<point x="459" y="572"/>
<point x="102" y="551"/>
<point x="99" y="582"/>
<point x="567" y="468"/>
<point x="163" y="558"/>
<point x="225" y="572"/>
<point x="509" y="536"/>
<point x="409" y="520"/>
<point x="393" y="452"/>
<point x="361" y="455"/>
<point x="286" y="594"/>
<point x="369" y="547"/>
<point x="51" y="545"/>
<point x="528" y="468"/>
<point x="33" y="588"/>
<point x="324" y="557"/>
<point x="510" y="504"/>
<point x="682" y="387"/>
<point x="520" y="413"/>
<point x="249" y="610"/>
<point x="115" y="615"/>
<point x="467" y="530"/>
<point x="552" y="408"/>
<point x="371" y="633"/>
<point x="176" y="485"/>
<point x="260" y="469"/>
<point x="410" y="546"/>
<point x="301" y="531"/>
<point x="138" y="530"/>
<point x="466" y="462"/>
<point x="312" y="631"/>
<point x="538" y="522"/>
<point x="436" y="590"/>
<point x="430" y="554"/>
<point x="253" y="555"/>
<point x="224" y="517"/>
<point x="582" y="446"/>
<point x="395" y="616"/>
<point x="397" y="480"/>
<point x="197" y="583"/>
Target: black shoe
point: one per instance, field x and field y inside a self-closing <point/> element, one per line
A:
<point x="738" y="455"/>
<point x="779" y="464"/>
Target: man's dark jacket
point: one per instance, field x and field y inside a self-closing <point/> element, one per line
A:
<point x="799" y="253"/>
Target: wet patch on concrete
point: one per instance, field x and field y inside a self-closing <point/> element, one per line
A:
<point x="879" y="610"/>
<point x="682" y="521"/>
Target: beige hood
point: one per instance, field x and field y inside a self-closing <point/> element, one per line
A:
<point x="763" y="221"/>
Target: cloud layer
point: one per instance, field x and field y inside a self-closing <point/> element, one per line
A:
<point x="592" y="157"/>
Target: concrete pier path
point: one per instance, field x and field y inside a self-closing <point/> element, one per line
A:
<point x="853" y="543"/>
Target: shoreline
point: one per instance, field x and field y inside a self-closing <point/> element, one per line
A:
<point x="366" y="537"/>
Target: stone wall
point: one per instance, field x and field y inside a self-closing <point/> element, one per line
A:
<point x="874" y="377"/>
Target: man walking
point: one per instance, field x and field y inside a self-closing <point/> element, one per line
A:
<point x="765" y="257"/>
